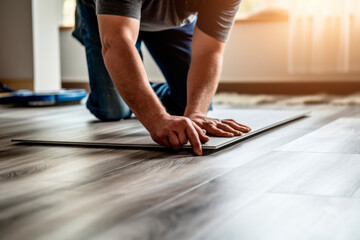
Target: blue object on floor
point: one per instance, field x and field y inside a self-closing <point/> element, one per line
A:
<point x="30" y="98"/>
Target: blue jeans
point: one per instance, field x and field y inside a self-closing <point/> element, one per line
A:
<point x="171" y="50"/>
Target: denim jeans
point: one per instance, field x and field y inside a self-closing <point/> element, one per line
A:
<point x="171" y="50"/>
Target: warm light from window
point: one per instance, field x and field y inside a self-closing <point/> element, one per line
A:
<point x="313" y="3"/>
<point x="252" y="6"/>
<point x="68" y="12"/>
<point x="249" y="6"/>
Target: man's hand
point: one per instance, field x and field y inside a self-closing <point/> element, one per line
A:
<point x="219" y="128"/>
<point x="174" y="131"/>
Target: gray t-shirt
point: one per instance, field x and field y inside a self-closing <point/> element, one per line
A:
<point x="215" y="17"/>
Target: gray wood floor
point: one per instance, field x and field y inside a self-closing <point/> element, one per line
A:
<point x="298" y="181"/>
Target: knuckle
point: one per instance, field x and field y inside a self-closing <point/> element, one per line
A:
<point x="183" y="122"/>
<point x="165" y="129"/>
<point x="187" y="121"/>
<point x="162" y="133"/>
<point x="214" y="128"/>
<point x="208" y="123"/>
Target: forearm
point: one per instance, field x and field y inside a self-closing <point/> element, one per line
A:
<point x="202" y="82"/>
<point x="128" y="74"/>
<point x="118" y="37"/>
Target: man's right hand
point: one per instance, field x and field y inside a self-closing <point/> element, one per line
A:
<point x="175" y="131"/>
<point x="118" y="37"/>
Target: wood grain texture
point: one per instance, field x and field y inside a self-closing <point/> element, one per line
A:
<point x="212" y="202"/>
<point x="130" y="133"/>
<point x="95" y="193"/>
<point x="230" y="193"/>
<point x="333" y="175"/>
<point x="282" y="216"/>
<point x="340" y="136"/>
<point x="131" y="189"/>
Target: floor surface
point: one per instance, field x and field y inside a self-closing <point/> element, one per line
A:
<point x="297" y="181"/>
<point x="131" y="134"/>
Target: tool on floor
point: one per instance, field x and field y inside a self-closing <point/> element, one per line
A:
<point x="30" y="98"/>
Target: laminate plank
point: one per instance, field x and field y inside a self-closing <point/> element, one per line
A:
<point x="43" y="175"/>
<point x="282" y="216"/>
<point x="203" y="209"/>
<point x="55" y="162"/>
<point x="340" y="136"/>
<point x="318" y="117"/>
<point x="208" y="205"/>
<point x="10" y="128"/>
<point x="132" y="189"/>
<point x="64" y="192"/>
<point x="321" y="115"/>
<point x="266" y="141"/>
<point x="22" y="156"/>
<point x="357" y="193"/>
<point x="336" y="175"/>
<point x="139" y="136"/>
<point x="124" y="199"/>
<point x="39" y="170"/>
<point x="43" y="178"/>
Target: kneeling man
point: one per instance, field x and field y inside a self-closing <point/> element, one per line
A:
<point x="186" y="38"/>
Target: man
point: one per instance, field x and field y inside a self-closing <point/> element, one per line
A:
<point x="185" y="37"/>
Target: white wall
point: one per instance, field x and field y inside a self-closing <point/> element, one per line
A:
<point x="73" y="61"/>
<point x="255" y="52"/>
<point x="16" y="56"/>
<point x="259" y="52"/>
<point x="46" y="18"/>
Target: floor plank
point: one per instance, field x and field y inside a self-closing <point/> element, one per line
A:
<point x="80" y="193"/>
<point x="336" y="175"/>
<point x="199" y="211"/>
<point x="282" y="216"/>
<point x="137" y="136"/>
<point x="340" y="136"/>
<point x="210" y="204"/>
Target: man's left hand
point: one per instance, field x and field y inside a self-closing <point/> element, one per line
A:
<point x="218" y="127"/>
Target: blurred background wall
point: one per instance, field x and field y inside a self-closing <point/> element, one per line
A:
<point x="16" y="55"/>
<point x="257" y="51"/>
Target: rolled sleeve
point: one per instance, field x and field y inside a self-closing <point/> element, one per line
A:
<point x="216" y="17"/>
<point x="126" y="8"/>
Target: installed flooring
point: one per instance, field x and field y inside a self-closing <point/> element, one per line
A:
<point x="297" y="181"/>
<point x="131" y="134"/>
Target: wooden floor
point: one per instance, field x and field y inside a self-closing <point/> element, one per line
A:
<point x="298" y="181"/>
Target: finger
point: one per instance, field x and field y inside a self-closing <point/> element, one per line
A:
<point x="229" y="129"/>
<point x="232" y="120"/>
<point x="241" y="125"/>
<point x="237" y="125"/>
<point x="194" y="140"/>
<point x="182" y="137"/>
<point x="165" y="142"/>
<point x="218" y="132"/>
<point x="155" y="139"/>
<point x="202" y="133"/>
<point x="174" y="141"/>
